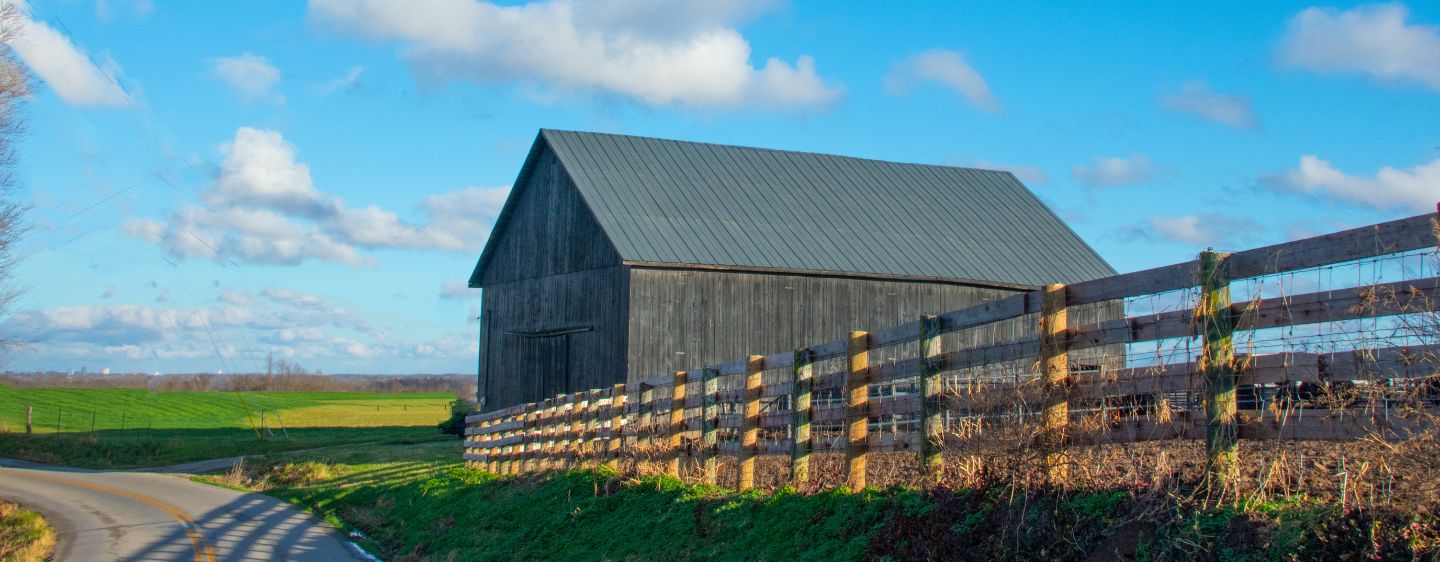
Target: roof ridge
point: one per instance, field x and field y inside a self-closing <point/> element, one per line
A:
<point x="779" y="150"/>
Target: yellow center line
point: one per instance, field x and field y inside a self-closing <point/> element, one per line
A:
<point x="203" y="551"/>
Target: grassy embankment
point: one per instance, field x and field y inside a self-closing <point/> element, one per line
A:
<point x="24" y="536"/>
<point x="418" y="504"/>
<point x="121" y="427"/>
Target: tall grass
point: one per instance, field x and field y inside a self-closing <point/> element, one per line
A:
<point x="24" y="536"/>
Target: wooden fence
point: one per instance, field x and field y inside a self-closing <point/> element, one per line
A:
<point x="792" y="404"/>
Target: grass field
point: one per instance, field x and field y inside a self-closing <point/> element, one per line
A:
<point x="24" y="535"/>
<point x="418" y="504"/>
<point x="121" y="427"/>
<point x="76" y="409"/>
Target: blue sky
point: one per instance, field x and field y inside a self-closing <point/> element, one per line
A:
<point x="213" y="183"/>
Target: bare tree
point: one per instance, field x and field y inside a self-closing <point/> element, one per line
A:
<point x="14" y="90"/>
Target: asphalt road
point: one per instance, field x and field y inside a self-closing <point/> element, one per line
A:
<point x="120" y="515"/>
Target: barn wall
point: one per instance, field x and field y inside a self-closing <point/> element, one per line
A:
<point x="549" y="231"/>
<point x="517" y="369"/>
<point x="683" y="320"/>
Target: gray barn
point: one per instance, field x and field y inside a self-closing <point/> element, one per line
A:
<point x="621" y="258"/>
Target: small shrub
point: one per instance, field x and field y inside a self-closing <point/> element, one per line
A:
<point x="299" y="474"/>
<point x="456" y="424"/>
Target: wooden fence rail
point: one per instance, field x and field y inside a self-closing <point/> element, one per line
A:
<point x="831" y="397"/>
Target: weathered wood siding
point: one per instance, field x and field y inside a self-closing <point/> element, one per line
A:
<point x="682" y="320"/>
<point x="516" y="369"/>
<point x="549" y="231"/>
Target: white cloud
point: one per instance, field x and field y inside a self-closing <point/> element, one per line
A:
<point x="260" y="170"/>
<point x="69" y="71"/>
<point x="281" y="322"/>
<point x="1203" y="230"/>
<point x="1413" y="189"/>
<point x="458" y="290"/>
<point x="349" y="80"/>
<point x="658" y="53"/>
<point x="263" y="207"/>
<point x="251" y="76"/>
<point x="1374" y="40"/>
<point x="946" y="68"/>
<point x="1114" y="171"/>
<point x="1198" y="99"/>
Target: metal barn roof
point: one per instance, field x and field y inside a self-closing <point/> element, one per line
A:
<point x="674" y="202"/>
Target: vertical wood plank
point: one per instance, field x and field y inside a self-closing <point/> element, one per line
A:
<point x="530" y="447"/>
<point x="486" y="451"/>
<point x="542" y="452"/>
<point x="710" y="440"/>
<point x="579" y="415"/>
<point x="616" y="436"/>
<point x="557" y="422"/>
<point x="570" y="429"/>
<point x="493" y="455"/>
<point x="677" y="420"/>
<point x="750" y="423"/>
<point x="1217" y="366"/>
<point x="802" y="367"/>
<point x="932" y="436"/>
<point x="1055" y="363"/>
<point x="857" y="409"/>
<point x="507" y="456"/>
<point x="507" y="453"/>
<point x="594" y="447"/>
<point x="502" y="463"/>
<point x="645" y="440"/>
<point x="551" y="429"/>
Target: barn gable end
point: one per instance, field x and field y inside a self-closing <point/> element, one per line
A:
<point x="544" y="229"/>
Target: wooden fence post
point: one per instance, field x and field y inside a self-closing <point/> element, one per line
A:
<point x="525" y="454"/>
<point x="1055" y="361"/>
<point x="750" y="423"/>
<point x="617" y="425"/>
<point x="541" y="448"/>
<point x="470" y="445"/>
<point x="507" y="452"/>
<point x="548" y="460"/>
<point x="932" y="432"/>
<point x="710" y="439"/>
<point x="645" y="439"/>
<point x="677" y="418"/>
<point x="492" y="454"/>
<point x="28" y="411"/>
<point x="579" y="406"/>
<point x="1217" y="365"/>
<point x="517" y="460"/>
<point x="566" y="431"/>
<point x="505" y="464"/>
<point x="802" y="411"/>
<point x="857" y="408"/>
<point x="591" y="445"/>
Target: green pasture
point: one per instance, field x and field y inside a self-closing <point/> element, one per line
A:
<point x="97" y="409"/>
<point x="123" y="427"/>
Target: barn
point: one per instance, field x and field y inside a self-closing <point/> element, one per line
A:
<point x="622" y="258"/>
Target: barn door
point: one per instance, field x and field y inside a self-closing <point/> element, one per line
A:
<point x="546" y="359"/>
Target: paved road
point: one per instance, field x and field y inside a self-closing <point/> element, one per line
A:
<point x="104" y="515"/>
